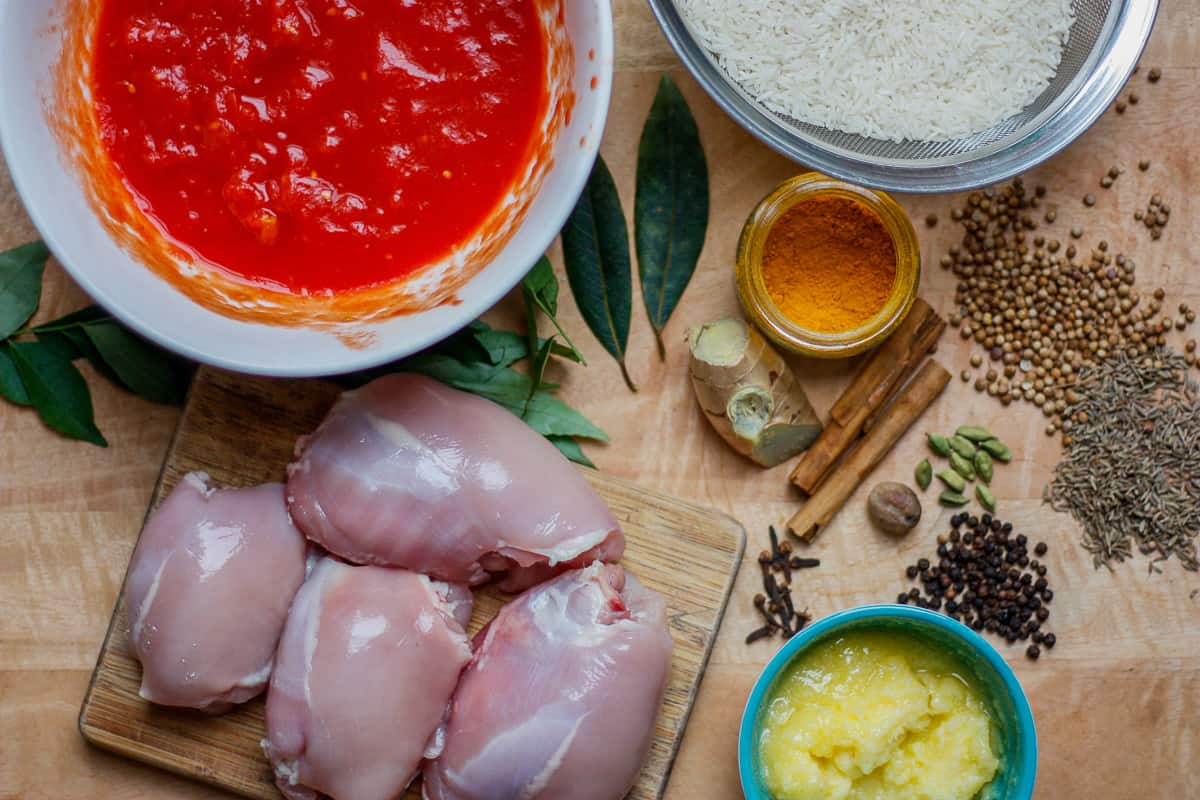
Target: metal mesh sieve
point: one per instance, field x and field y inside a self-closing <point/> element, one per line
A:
<point x="1105" y="41"/>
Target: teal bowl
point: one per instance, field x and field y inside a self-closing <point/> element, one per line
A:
<point x="1002" y="692"/>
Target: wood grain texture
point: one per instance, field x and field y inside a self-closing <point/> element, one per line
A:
<point x="242" y="432"/>
<point x="1117" y="704"/>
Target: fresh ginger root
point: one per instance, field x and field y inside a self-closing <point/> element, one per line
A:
<point x="749" y="394"/>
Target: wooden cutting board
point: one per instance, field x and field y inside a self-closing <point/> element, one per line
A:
<point x="241" y="431"/>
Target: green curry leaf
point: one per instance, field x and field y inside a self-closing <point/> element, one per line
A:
<point x="12" y="388"/>
<point x="20" y="284"/>
<point x="57" y="391"/>
<point x="540" y="290"/>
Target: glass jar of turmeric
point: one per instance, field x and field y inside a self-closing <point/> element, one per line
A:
<point x="827" y="268"/>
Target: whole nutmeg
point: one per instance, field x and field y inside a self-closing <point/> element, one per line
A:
<point x="894" y="508"/>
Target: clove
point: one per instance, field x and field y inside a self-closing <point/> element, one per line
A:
<point x="759" y="633"/>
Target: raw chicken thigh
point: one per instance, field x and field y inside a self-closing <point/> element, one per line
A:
<point x="560" y="699"/>
<point x="364" y="673"/>
<point x="208" y="593"/>
<point x="410" y="473"/>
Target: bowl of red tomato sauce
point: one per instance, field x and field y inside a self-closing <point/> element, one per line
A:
<point x="301" y="187"/>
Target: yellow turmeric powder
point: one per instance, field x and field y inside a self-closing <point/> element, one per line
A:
<point x="829" y="264"/>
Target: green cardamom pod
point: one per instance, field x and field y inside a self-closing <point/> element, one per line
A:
<point x="939" y="444"/>
<point x="983" y="466"/>
<point x="975" y="433"/>
<point x="998" y="450"/>
<point x="962" y="446"/>
<point x="949" y="498"/>
<point x="952" y="480"/>
<point x="962" y="466"/>
<point x="924" y="474"/>
<point x="986" y="498"/>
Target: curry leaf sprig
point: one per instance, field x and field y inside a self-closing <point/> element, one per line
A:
<point x="670" y="223"/>
<point x="37" y="366"/>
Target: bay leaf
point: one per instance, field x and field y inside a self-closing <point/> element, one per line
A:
<point x="670" y="216"/>
<point x="596" y="256"/>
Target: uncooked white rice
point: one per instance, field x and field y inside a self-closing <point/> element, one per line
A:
<point x="889" y="69"/>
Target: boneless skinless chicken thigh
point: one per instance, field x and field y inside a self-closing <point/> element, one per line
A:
<point x="363" y="676"/>
<point x="560" y="699"/>
<point x="208" y="592"/>
<point x="408" y="472"/>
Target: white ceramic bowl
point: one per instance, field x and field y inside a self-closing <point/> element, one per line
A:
<point x="54" y="194"/>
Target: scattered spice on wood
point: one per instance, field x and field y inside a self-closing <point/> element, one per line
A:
<point x="1156" y="216"/>
<point x="836" y="488"/>
<point x="985" y="578"/>
<point x="775" y="603"/>
<point x="1130" y="473"/>
<point x="1154" y="75"/>
<point x="1040" y="313"/>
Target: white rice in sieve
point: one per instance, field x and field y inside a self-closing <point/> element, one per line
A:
<point x="926" y="70"/>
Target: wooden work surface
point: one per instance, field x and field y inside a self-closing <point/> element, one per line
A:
<point x="242" y="431"/>
<point x="1117" y="702"/>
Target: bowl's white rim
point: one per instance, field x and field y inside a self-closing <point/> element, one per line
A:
<point x="472" y="306"/>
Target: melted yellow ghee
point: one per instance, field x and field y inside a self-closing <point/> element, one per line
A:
<point x="874" y="715"/>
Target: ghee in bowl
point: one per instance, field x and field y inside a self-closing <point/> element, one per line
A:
<point x="827" y="268"/>
<point x="876" y="714"/>
<point x="887" y="703"/>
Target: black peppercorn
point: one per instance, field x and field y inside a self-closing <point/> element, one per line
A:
<point x="1033" y="652"/>
<point x="923" y="564"/>
<point x="902" y="598"/>
<point x="1040" y="549"/>
<point x="912" y="571"/>
<point x="1049" y="640"/>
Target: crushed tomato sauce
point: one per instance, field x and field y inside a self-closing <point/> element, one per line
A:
<point x="319" y="145"/>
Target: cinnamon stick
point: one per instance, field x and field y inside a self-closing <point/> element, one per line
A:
<point x="884" y="365"/>
<point x="927" y="337"/>
<point x="871" y="388"/>
<point x="911" y="403"/>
